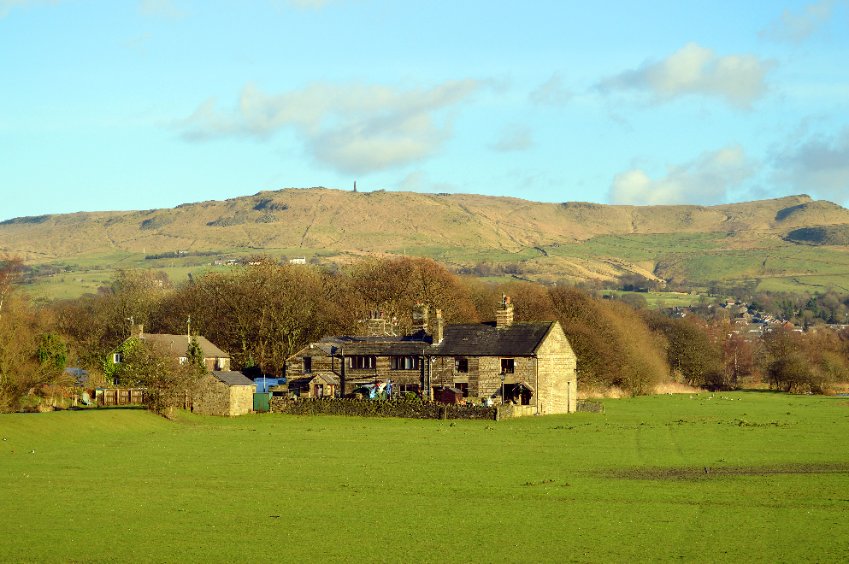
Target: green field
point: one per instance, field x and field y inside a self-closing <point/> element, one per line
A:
<point x="736" y="477"/>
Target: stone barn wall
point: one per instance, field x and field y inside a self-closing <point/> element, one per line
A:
<point x="558" y="389"/>
<point x="241" y="400"/>
<point x="214" y="397"/>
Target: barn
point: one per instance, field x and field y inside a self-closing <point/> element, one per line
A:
<point x="224" y="393"/>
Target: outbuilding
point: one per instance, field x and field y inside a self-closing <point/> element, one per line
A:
<point x="224" y="393"/>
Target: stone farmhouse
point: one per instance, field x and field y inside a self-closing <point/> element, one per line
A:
<point x="177" y="347"/>
<point x="220" y="391"/>
<point x="525" y="364"/>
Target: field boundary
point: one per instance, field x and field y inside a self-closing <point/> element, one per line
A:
<point x="387" y="408"/>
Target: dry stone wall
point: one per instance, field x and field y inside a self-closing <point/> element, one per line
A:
<point x="214" y="397"/>
<point x="369" y="408"/>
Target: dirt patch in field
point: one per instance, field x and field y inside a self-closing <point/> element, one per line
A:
<point x="709" y="472"/>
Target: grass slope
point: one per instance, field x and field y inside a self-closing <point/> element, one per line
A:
<point x="626" y="485"/>
<point x="728" y="244"/>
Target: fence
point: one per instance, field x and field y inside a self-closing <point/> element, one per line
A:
<point x="120" y="396"/>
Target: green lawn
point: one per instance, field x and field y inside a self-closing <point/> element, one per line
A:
<point x="730" y="477"/>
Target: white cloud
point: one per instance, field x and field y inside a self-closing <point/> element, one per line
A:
<point x="705" y="180"/>
<point x="552" y="92"/>
<point x="6" y="6"/>
<point x="514" y="137"/>
<point x="818" y="166"/>
<point x="739" y="80"/>
<point x="352" y="128"/>
<point x="795" y="27"/>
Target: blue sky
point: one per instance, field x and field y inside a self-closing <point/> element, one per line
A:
<point x="108" y="105"/>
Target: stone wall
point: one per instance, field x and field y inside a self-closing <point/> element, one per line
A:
<point x="558" y="390"/>
<point x="241" y="400"/>
<point x="217" y="363"/>
<point x="551" y="374"/>
<point x="214" y="397"/>
<point x="323" y="362"/>
<point x="484" y="375"/>
<point x="509" y="411"/>
<point x="382" y="371"/>
<point x="370" y="408"/>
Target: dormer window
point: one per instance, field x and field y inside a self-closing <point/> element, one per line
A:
<point x="117" y="358"/>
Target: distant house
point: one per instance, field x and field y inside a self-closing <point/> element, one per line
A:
<point x="224" y="393"/>
<point x="320" y="385"/>
<point x="221" y="391"/>
<point x="530" y="364"/>
<point x="177" y="346"/>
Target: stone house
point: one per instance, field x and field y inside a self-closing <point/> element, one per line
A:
<point x="529" y="364"/>
<point x="319" y="385"/>
<point x="224" y="393"/>
<point x="220" y="391"/>
<point x="177" y="346"/>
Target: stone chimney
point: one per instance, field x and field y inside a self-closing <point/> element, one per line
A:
<point x="420" y="318"/>
<point x="439" y="333"/>
<point x="504" y="313"/>
<point x="376" y="324"/>
<point x="140" y="330"/>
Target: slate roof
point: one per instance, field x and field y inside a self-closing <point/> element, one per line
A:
<point x="79" y="375"/>
<point x="327" y="377"/>
<point x="179" y="344"/>
<point x="232" y="378"/>
<point x="378" y="346"/>
<point x="519" y="339"/>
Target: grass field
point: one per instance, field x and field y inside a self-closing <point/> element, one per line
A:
<point x="727" y="477"/>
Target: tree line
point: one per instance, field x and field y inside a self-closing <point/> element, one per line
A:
<point x="263" y="313"/>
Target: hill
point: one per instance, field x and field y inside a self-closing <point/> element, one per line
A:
<point x="753" y="242"/>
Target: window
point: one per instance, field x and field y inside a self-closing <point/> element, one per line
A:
<point x="507" y="366"/>
<point x="405" y="388"/>
<point x="405" y="363"/>
<point x="307" y="364"/>
<point x="361" y="362"/>
<point x="117" y="358"/>
<point x="220" y="363"/>
<point x="463" y="387"/>
<point x="461" y="365"/>
<point x="183" y="360"/>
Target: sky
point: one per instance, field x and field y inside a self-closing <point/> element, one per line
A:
<point x="118" y="105"/>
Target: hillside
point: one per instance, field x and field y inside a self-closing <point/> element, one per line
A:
<point x="575" y="241"/>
